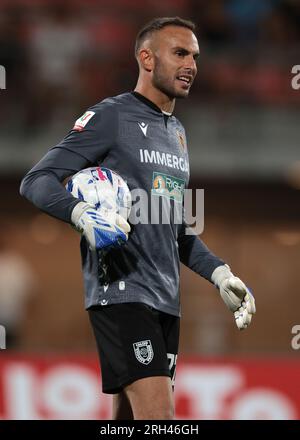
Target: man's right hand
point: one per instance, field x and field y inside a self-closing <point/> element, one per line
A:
<point x="100" y="228"/>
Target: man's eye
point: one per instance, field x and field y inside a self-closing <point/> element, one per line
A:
<point x="181" y="54"/>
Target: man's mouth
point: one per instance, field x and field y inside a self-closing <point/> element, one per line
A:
<point x="185" y="79"/>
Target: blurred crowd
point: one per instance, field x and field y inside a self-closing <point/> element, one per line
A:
<point x="62" y="56"/>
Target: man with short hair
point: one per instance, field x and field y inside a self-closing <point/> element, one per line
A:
<point x="135" y="317"/>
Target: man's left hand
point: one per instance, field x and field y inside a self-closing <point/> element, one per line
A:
<point x="236" y="295"/>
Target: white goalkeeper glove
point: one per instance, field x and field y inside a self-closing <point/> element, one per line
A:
<point x="235" y="294"/>
<point x="101" y="228"/>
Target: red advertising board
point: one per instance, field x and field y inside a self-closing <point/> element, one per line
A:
<point x="69" y="387"/>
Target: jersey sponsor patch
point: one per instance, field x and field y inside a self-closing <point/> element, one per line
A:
<point x="143" y="351"/>
<point x="165" y="159"/>
<point x="168" y="186"/>
<point x="83" y="120"/>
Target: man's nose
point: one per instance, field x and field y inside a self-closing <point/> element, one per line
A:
<point x="190" y="65"/>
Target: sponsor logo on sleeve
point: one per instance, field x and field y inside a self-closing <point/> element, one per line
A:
<point x="83" y="120"/>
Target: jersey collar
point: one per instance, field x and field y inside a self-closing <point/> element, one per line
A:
<point x="151" y="104"/>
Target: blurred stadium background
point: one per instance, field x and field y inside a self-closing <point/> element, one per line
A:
<point x="242" y="122"/>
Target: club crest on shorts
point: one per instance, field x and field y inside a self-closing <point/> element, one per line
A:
<point x="143" y="351"/>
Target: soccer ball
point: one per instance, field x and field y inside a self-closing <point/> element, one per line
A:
<point x="102" y="188"/>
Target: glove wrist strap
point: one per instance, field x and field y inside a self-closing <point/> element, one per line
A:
<point x="77" y="212"/>
<point x="220" y="274"/>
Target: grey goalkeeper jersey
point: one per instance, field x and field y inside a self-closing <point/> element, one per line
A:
<point x="130" y="135"/>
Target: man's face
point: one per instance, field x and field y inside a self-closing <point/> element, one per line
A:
<point x="175" y="51"/>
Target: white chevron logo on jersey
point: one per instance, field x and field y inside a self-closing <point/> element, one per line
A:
<point x="143" y="127"/>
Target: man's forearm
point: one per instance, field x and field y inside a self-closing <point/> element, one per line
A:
<point x="46" y="192"/>
<point x="196" y="255"/>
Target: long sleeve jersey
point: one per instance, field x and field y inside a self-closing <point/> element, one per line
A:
<point x="131" y="136"/>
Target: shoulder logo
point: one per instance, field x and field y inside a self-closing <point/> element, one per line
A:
<point x="82" y="121"/>
<point x="143" y="351"/>
<point x="143" y="127"/>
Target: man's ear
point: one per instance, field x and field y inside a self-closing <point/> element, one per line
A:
<point x="146" y="59"/>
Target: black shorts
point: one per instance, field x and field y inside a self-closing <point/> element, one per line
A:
<point x="134" y="341"/>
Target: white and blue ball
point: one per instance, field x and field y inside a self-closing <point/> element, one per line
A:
<point x="102" y="188"/>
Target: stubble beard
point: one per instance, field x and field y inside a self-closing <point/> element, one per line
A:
<point x="165" y="84"/>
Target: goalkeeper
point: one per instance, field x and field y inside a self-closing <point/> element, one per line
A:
<point x="135" y="316"/>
